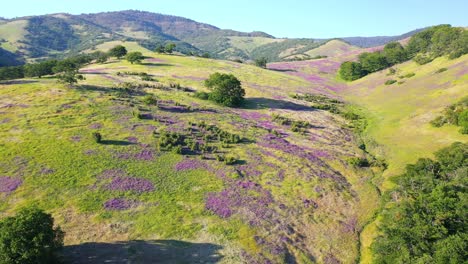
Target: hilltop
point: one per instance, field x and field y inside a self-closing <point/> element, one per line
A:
<point x="59" y="35"/>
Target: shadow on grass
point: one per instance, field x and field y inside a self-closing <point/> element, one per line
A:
<point x="262" y="103"/>
<point x="282" y="70"/>
<point x="116" y="142"/>
<point x="17" y="82"/>
<point x="93" y="88"/>
<point x="156" y="64"/>
<point x="139" y="251"/>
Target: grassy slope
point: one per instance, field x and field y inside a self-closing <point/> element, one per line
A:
<point x="12" y="32"/>
<point x="45" y="133"/>
<point x="332" y="48"/>
<point x="399" y="114"/>
<point x="248" y="44"/>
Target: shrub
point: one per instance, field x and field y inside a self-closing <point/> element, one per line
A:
<point x="441" y="70"/>
<point x="351" y="71"/>
<point x="30" y="238"/>
<point x="358" y="162"/>
<point x="97" y="137"/>
<point x="391" y="71"/>
<point x="134" y="57"/>
<point x="261" y="62"/>
<point x="390" y="82"/>
<point x="150" y="99"/>
<point x="422" y="59"/>
<point x="230" y="160"/>
<point x="118" y="51"/>
<point x="202" y="95"/>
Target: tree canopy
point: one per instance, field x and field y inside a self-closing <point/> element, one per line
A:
<point x="134" y="57"/>
<point x="118" y="51"/>
<point x="29" y="238"/>
<point x="425" y="221"/>
<point x="226" y="89"/>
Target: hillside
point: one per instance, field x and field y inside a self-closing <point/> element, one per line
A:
<point x="296" y="184"/>
<point x="59" y="35"/>
<point x="136" y="162"/>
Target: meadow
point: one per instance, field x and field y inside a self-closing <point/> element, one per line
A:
<point x="288" y="195"/>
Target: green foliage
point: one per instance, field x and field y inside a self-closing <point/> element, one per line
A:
<point x="390" y="82"/>
<point x="118" y="51"/>
<point x="373" y="62"/>
<point x="40" y="69"/>
<point x="456" y="114"/>
<point x="167" y="141"/>
<point x="351" y="71"/>
<point x="97" y="137"/>
<point x="134" y="57"/>
<point x="70" y="77"/>
<point x="423" y="47"/>
<point x="169" y="48"/>
<point x="150" y="99"/>
<point x="30" y="238"/>
<point x="202" y="95"/>
<point x="226" y="89"/>
<point x="395" y="53"/>
<point x="261" y="62"/>
<point x="11" y="73"/>
<point x="358" y="162"/>
<point x="441" y="70"/>
<point x="102" y="57"/>
<point x="426" y="220"/>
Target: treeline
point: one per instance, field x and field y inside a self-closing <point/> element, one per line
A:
<point x="48" y="67"/>
<point x="423" y="47"/>
<point x="425" y="221"/>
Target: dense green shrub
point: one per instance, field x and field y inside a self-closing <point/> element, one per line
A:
<point x="358" y="162"/>
<point x="202" y="95"/>
<point x="30" y="238"/>
<point x="97" y="137"/>
<point x="118" y="51"/>
<point x="150" y="99"/>
<point x="351" y="71"/>
<point x="226" y="89"/>
<point x="441" y="70"/>
<point x="390" y="82"/>
<point x="425" y="221"/>
<point x="134" y="57"/>
<point x="456" y="114"/>
<point x="261" y="62"/>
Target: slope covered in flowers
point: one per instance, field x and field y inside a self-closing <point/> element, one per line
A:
<point x="289" y="195"/>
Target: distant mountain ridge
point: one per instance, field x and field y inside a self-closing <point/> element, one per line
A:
<point x="58" y="35"/>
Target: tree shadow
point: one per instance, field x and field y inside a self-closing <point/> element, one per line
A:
<point x="116" y="142"/>
<point x="156" y="64"/>
<point x="262" y="103"/>
<point x="17" y="82"/>
<point x="282" y="70"/>
<point x="139" y="251"/>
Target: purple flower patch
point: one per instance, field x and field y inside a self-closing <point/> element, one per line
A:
<point x="145" y="154"/>
<point x="130" y="184"/>
<point x="190" y="164"/>
<point x="244" y="196"/>
<point x="95" y="126"/>
<point x="119" y="204"/>
<point x="9" y="184"/>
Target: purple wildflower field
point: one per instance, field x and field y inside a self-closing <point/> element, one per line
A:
<point x="244" y="196"/>
<point x="190" y="164"/>
<point x="130" y="184"/>
<point x="9" y="184"/>
<point x="117" y="204"/>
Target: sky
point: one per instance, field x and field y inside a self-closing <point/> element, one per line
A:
<point x="280" y="18"/>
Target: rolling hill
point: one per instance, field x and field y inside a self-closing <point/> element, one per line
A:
<point x="59" y="35"/>
<point x="136" y="165"/>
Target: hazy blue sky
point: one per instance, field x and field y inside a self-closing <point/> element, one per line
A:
<point x="281" y="18"/>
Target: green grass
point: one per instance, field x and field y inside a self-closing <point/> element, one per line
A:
<point x="49" y="127"/>
<point x="12" y="32"/>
